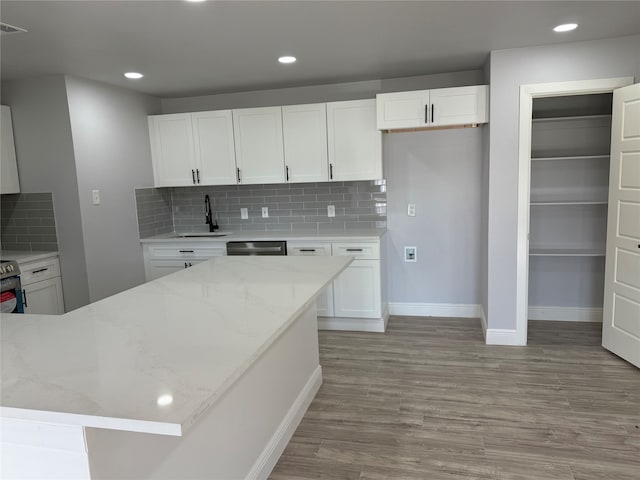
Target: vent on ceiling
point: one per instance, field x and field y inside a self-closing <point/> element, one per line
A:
<point x="6" y="29"/>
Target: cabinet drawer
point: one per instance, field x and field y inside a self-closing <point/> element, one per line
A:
<point x="359" y="250"/>
<point x="309" y="249"/>
<point x="39" y="270"/>
<point x="188" y="251"/>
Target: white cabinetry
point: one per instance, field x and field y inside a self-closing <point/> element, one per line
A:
<point x="324" y="303"/>
<point x="42" y="287"/>
<point x="432" y="108"/>
<point x="305" y="142"/>
<point x="354" y="142"/>
<point x="164" y="258"/>
<point x="192" y="149"/>
<point x="259" y="145"/>
<point x="8" y="166"/>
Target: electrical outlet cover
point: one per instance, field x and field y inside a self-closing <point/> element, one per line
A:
<point x="410" y="254"/>
<point x="265" y="212"/>
<point x="331" y="210"/>
<point x="244" y="213"/>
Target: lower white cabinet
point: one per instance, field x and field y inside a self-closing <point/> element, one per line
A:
<point x="357" y="290"/>
<point x="324" y="303"/>
<point x="163" y="259"/>
<point x="42" y="287"/>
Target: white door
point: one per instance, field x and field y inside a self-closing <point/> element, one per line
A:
<point x="403" y="109"/>
<point x="8" y="165"/>
<point x="621" y="316"/>
<point x="305" y="142"/>
<point x="356" y="292"/>
<point x="459" y="106"/>
<point x="215" y="154"/>
<point x="354" y="141"/>
<point x="44" y="297"/>
<point x="259" y="147"/>
<point x="172" y="151"/>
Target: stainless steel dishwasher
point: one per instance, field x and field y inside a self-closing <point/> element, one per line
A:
<point x="257" y="248"/>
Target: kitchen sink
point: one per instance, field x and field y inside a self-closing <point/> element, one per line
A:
<point x="201" y="235"/>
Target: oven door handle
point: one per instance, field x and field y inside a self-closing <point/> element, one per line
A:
<point x="24" y="298"/>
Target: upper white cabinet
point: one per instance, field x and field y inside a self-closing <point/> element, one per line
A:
<point x="259" y="145"/>
<point x="432" y="108"/>
<point x="9" y="167"/>
<point x="354" y="142"/>
<point x="192" y="148"/>
<point x="305" y="143"/>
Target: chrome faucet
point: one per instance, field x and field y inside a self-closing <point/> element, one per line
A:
<point x="208" y="215"/>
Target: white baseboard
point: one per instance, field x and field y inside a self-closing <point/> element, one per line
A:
<point x="483" y="322"/>
<point x="502" y="336"/>
<point x="435" y="310"/>
<point x="353" y="324"/>
<point x="566" y="314"/>
<point x="278" y="442"/>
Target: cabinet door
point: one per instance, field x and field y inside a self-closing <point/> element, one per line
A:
<point x="402" y="109"/>
<point x="44" y="297"/>
<point x="215" y="154"/>
<point x="305" y="143"/>
<point x="259" y="146"/>
<point x="8" y="165"/>
<point x="459" y="106"/>
<point x="354" y="142"/>
<point x="172" y="149"/>
<point x="324" y="303"/>
<point x="356" y="292"/>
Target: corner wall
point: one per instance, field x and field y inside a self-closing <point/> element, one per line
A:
<point x="616" y="57"/>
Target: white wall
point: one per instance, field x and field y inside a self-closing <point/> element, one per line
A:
<point x="440" y="172"/>
<point x="46" y="163"/>
<point x="511" y="68"/>
<point x="111" y="145"/>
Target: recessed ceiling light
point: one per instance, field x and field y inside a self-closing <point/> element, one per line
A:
<point x="287" y="59"/>
<point x="565" y="27"/>
<point x="164" y="400"/>
<point x="133" y="75"/>
<point x="196" y="1"/>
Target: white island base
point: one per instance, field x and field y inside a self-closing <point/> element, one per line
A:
<point x="240" y="437"/>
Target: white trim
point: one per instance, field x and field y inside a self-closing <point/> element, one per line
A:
<point x="483" y="322"/>
<point x="278" y="442"/>
<point x="566" y="314"/>
<point x="527" y="94"/>
<point x="353" y="324"/>
<point x="435" y="310"/>
<point x="503" y="336"/>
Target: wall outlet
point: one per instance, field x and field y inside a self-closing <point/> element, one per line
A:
<point x="95" y="195"/>
<point x="410" y="254"/>
<point x="265" y="212"/>
<point x="331" y="210"/>
<point x="244" y="213"/>
<point x="411" y="209"/>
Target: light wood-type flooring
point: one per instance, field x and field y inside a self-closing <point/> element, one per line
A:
<point x="429" y="400"/>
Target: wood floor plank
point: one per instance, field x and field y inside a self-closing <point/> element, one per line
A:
<point x="429" y="400"/>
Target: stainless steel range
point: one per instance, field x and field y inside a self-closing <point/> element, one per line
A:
<point x="10" y="287"/>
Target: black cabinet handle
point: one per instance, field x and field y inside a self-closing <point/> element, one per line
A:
<point x="238" y="173"/>
<point x="307" y="249"/>
<point x="185" y="264"/>
<point x="190" y="264"/>
<point x="354" y="249"/>
<point x="198" y="174"/>
<point x="426" y="113"/>
<point x="193" y="176"/>
<point x="287" y="169"/>
<point x="331" y="171"/>
<point x="186" y="251"/>
<point x="24" y="298"/>
<point x="432" y="119"/>
<point x="40" y="270"/>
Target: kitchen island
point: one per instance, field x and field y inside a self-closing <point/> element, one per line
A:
<point x="204" y="373"/>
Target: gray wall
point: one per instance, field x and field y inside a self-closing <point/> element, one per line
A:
<point x="439" y="171"/>
<point x="46" y="163"/>
<point x="509" y="69"/>
<point x="111" y="144"/>
<point x="319" y="93"/>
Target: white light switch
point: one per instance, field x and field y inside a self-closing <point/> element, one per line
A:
<point x="411" y="210"/>
<point x="95" y="195"/>
<point x="331" y="210"/>
<point x="244" y="213"/>
<point x="265" y="212"/>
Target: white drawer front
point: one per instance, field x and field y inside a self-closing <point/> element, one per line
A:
<point x="311" y="249"/>
<point x="39" y="270"/>
<point x="188" y="251"/>
<point x="359" y="250"/>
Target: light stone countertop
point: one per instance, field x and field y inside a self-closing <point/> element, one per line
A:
<point x="25" y="256"/>
<point x="189" y="335"/>
<point x="290" y="236"/>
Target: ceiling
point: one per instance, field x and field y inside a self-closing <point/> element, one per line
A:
<point x="188" y="49"/>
